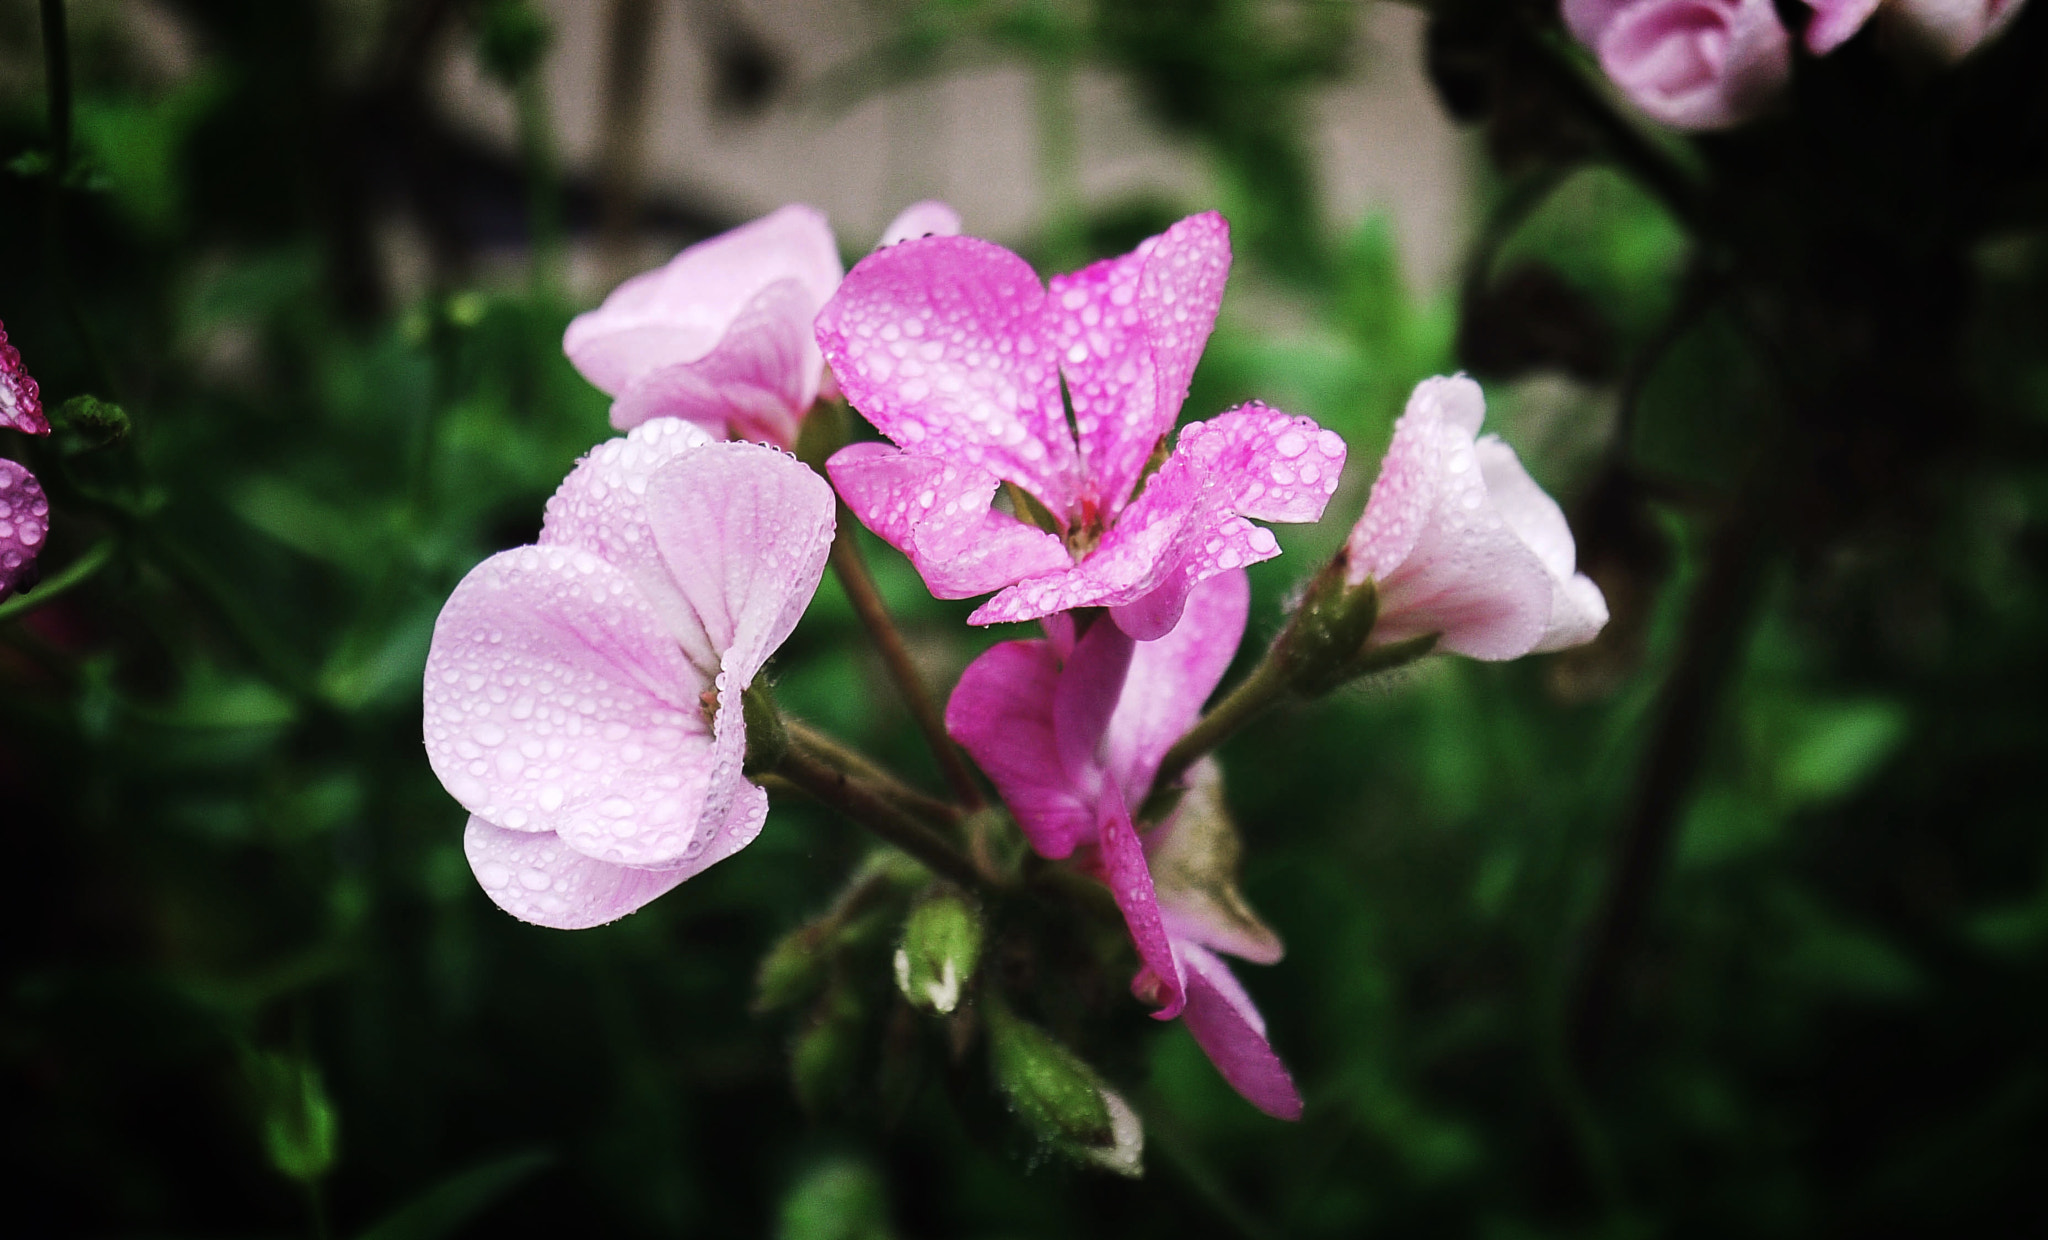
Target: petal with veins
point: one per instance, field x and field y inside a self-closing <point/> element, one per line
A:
<point x="537" y="878"/>
<point x="938" y="514"/>
<point x="1001" y="712"/>
<point x="1233" y="1034"/>
<point x="1171" y="678"/>
<point x="755" y="383"/>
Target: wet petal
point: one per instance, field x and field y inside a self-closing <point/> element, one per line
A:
<point x="556" y="700"/>
<point x="677" y="313"/>
<point x="942" y="345"/>
<point x="1090" y="683"/>
<point x="1121" y="860"/>
<point x="537" y="878"/>
<point x="1195" y="855"/>
<point x="1172" y="677"/>
<point x="24" y="524"/>
<point x="756" y="383"/>
<point x="939" y="515"/>
<point x="21" y="401"/>
<point x="929" y="218"/>
<point x="1001" y="712"/>
<point x="1233" y="1034"/>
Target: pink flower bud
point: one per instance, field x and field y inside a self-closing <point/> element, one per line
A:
<point x="1691" y="64"/>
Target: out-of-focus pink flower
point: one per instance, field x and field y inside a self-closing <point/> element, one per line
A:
<point x="1954" y="28"/>
<point x="1072" y="730"/>
<point x="1691" y="64"/>
<point x="953" y="349"/>
<point x="721" y="335"/>
<point x="1835" y="21"/>
<point x="21" y="402"/>
<point x="1461" y="542"/>
<point x="583" y="694"/>
<point x="24" y="523"/>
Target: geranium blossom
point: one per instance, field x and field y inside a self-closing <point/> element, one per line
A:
<point x="1692" y="64"/>
<point x="583" y="694"/>
<point x="721" y="335"/>
<point x="957" y="352"/>
<point x="1073" y="729"/>
<point x="21" y="403"/>
<point x="24" y="523"/>
<point x="1461" y="542"/>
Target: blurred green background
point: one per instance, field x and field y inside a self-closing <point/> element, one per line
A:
<point x="1735" y="923"/>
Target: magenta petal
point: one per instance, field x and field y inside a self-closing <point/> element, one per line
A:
<point x="938" y="514"/>
<point x="602" y="507"/>
<point x="1086" y="696"/>
<point x="678" y="313"/>
<point x="556" y="699"/>
<point x="942" y="346"/>
<point x="745" y="530"/>
<point x="1001" y="712"/>
<point x="1834" y="22"/>
<point x="1122" y="858"/>
<point x="1265" y="464"/>
<point x="24" y="524"/>
<point x="1587" y="19"/>
<point x="537" y="878"/>
<point x="21" y="402"/>
<point x="1233" y="1034"/>
<point x="1171" y="678"/>
<point x="1698" y="64"/>
<point x="756" y="383"/>
<point x="929" y="218"/>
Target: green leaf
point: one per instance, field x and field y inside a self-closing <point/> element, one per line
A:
<point x="444" y="1208"/>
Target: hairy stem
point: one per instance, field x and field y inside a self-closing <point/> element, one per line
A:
<point x="847" y="759"/>
<point x="852" y="570"/>
<point x="872" y="806"/>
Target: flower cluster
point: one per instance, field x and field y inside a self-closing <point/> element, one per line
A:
<point x="592" y="700"/>
<point x="24" y="512"/>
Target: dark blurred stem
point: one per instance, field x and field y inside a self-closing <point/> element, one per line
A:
<point x="543" y="180"/>
<point x="57" y="78"/>
<point x="75" y="574"/>
<point x="852" y="570"/>
<point x="57" y="75"/>
<point x="316" y="1209"/>
<point x="871" y="805"/>
<point x="1058" y="163"/>
<point x="1716" y="626"/>
<point x="629" y="51"/>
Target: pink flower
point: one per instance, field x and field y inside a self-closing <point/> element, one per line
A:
<point x="24" y="523"/>
<point x="1691" y="64"/>
<point x="1835" y="21"/>
<point x="1072" y="730"/>
<point x="1461" y="542"/>
<point x="583" y="694"/>
<point x="21" y="403"/>
<point x="1954" y="28"/>
<point x="954" y="350"/>
<point x="721" y="335"/>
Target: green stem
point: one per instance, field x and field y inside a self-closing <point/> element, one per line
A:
<point x="75" y="574"/>
<point x="1266" y="685"/>
<point x="929" y="808"/>
<point x="852" y="570"/>
<point x="873" y="807"/>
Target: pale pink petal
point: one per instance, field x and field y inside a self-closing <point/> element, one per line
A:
<point x="1001" y="712"/>
<point x="929" y="218"/>
<point x="1233" y="1034"/>
<point x="1085" y="697"/>
<point x="942" y="346"/>
<point x="745" y="530"/>
<point x="678" y="313"/>
<point x="1698" y="64"/>
<point x="1835" y="21"/>
<point x="1578" y="611"/>
<point x="939" y="515"/>
<point x="1121" y="861"/>
<point x="537" y="878"/>
<point x="1955" y="28"/>
<point x="24" y="524"/>
<point x="1171" y="678"/>
<point x="756" y="383"/>
<point x="556" y="700"/>
<point x="1129" y="331"/>
<point x="602" y="506"/>
<point x="21" y="401"/>
<point x="1195" y="856"/>
<point x="1586" y="19"/>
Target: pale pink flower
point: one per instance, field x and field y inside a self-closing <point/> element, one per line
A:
<point x="957" y="352"/>
<point x="1072" y="730"/>
<point x="1835" y="21"/>
<point x="24" y="523"/>
<point x="721" y="335"/>
<point x="583" y="694"/>
<point x="21" y="403"/>
<point x="1461" y="542"/>
<point x="1691" y="64"/>
<point x="1954" y="28"/>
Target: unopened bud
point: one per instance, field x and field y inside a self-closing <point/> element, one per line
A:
<point x="299" y="1128"/>
<point x="941" y="948"/>
<point x="97" y="423"/>
<point x="1061" y="1098"/>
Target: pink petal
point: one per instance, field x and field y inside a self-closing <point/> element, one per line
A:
<point x="1834" y="22"/>
<point x="1586" y="19"/>
<point x="1001" y="712"/>
<point x="1698" y="64"/>
<point x="1171" y="678"/>
<point x="556" y="700"/>
<point x="21" y="402"/>
<point x="745" y="530"/>
<point x="1085" y="697"/>
<point x="938" y="514"/>
<point x="1444" y="559"/>
<point x="756" y="383"/>
<point x="1195" y="856"/>
<point x="1122" y="862"/>
<point x="1263" y="463"/>
<point x="678" y="313"/>
<point x="537" y="878"/>
<point x="929" y="218"/>
<point x="942" y="346"/>
<point x="1233" y="1034"/>
<point x="602" y="506"/>
<point x="1955" y="28"/>
<point x="1578" y="611"/>
<point x="1129" y="331"/>
<point x="24" y="523"/>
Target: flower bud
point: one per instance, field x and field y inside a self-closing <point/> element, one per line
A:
<point x="1691" y="64"/>
<point x="940" y="949"/>
<point x="1061" y="1098"/>
<point x="299" y="1128"/>
<point x="97" y="423"/>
